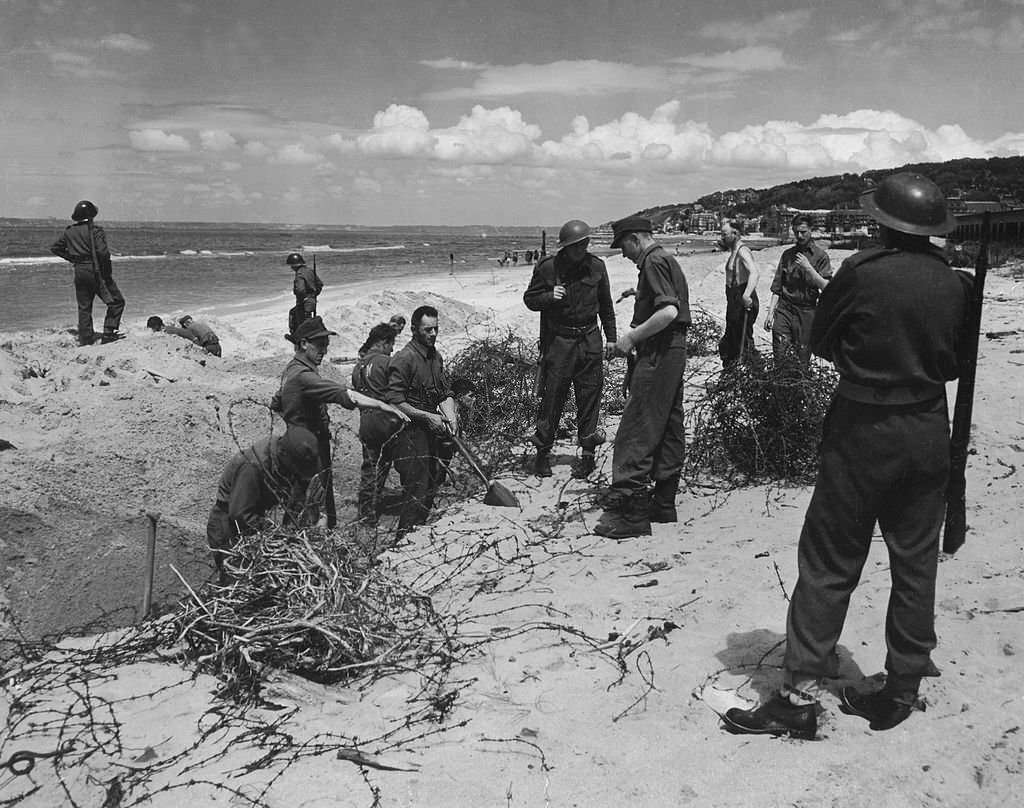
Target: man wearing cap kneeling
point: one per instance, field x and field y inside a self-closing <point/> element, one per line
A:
<point x="650" y="441"/>
<point x="304" y="395"/>
<point x="273" y="472"/>
<point x="570" y="290"/>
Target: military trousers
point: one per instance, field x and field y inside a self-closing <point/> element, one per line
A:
<point x="575" y="362"/>
<point x="417" y="459"/>
<point x="90" y="284"/>
<point x="791" y="332"/>
<point x="651" y="440"/>
<point x="879" y="464"/>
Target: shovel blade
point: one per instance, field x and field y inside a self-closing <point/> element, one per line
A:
<point x="499" y="494"/>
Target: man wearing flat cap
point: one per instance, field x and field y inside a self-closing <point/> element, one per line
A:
<point x="570" y="290"/>
<point x="304" y="395"/>
<point x="893" y="321"/>
<point x="650" y="442"/>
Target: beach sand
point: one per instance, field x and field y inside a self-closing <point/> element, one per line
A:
<point x="106" y="434"/>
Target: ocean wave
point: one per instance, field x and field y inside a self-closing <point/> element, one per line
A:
<point x="327" y="248"/>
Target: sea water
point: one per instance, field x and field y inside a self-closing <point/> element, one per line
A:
<point x="203" y="268"/>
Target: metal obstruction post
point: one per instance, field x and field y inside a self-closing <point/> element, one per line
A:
<point x="147" y="590"/>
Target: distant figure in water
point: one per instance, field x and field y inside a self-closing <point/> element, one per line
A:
<point x="196" y="332"/>
<point x="451" y="258"/>
<point x="84" y="244"/>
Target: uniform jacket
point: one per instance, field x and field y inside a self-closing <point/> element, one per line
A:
<point x="893" y="318"/>
<point x="791" y="284"/>
<point x="416" y="375"/>
<point x="73" y="245"/>
<point x="305" y="394"/>
<point x="587" y="296"/>
<point x="660" y="283"/>
<point x="306" y="284"/>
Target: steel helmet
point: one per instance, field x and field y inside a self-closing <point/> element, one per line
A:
<point x="84" y="210"/>
<point x="295" y="260"/>
<point x="910" y="203"/>
<point x="572" y="232"/>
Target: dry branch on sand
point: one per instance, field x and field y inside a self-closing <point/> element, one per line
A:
<point x="300" y="601"/>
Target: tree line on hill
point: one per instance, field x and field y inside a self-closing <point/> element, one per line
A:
<point x="973" y="179"/>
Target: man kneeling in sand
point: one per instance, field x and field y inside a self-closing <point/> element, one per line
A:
<point x="273" y="472"/>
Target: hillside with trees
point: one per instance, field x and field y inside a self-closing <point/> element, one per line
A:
<point x="974" y="179"/>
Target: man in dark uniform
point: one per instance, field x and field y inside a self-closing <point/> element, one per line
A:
<point x="306" y="286"/>
<point x="304" y="395"/>
<point x="803" y="271"/>
<point x="376" y="429"/>
<point x="892" y="320"/>
<point x="651" y="438"/>
<point x="84" y="244"/>
<point x="570" y="290"/>
<point x="418" y="386"/>
<point x="273" y="472"/>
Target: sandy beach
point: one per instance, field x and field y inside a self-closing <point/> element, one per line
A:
<point x="606" y="665"/>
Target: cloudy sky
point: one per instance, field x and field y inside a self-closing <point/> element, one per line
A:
<point x="474" y="111"/>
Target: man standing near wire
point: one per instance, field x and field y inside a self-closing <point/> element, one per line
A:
<point x="570" y="290"/>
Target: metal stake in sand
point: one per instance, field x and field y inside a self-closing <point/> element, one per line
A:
<point x="147" y="590"/>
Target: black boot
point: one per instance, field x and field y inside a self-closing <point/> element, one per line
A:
<point x="584" y="467"/>
<point x="542" y="463"/>
<point x="663" y="500"/>
<point x="777" y="716"/>
<point x="880" y="709"/>
<point x="631" y="519"/>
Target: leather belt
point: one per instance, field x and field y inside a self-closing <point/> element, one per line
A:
<point x="573" y="331"/>
<point x="889" y="396"/>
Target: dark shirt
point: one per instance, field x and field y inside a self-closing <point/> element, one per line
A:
<point x="416" y="375"/>
<point x="893" y="318"/>
<point x="660" y="283"/>
<point x="305" y="394"/>
<point x="245" y="488"/>
<point x="73" y="245"/>
<point x="199" y="333"/>
<point x="306" y="284"/>
<point x="790" y="282"/>
<point x="370" y="375"/>
<point x="587" y="294"/>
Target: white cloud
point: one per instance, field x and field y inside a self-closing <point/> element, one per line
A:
<point x="296" y="154"/>
<point x="398" y="131"/>
<point x="366" y="185"/>
<point x="768" y="28"/>
<point x="582" y="77"/>
<point x="745" y="60"/>
<point x="157" y="140"/>
<point x="857" y="140"/>
<point x="126" y="43"/>
<point x="487" y="136"/>
<point x="230" y="165"/>
<point x="632" y="139"/>
<point x="216" y="140"/>
<point x="256" y="148"/>
<point x="447" y="63"/>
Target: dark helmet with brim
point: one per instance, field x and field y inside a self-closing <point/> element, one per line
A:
<point x="910" y="203"/>
<point x="84" y="211"/>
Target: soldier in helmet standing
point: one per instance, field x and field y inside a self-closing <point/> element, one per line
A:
<point x="570" y="290"/>
<point x="306" y="286"/>
<point x="892" y="321"/>
<point x="84" y="244"/>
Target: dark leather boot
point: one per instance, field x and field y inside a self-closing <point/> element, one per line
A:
<point x="584" y="467"/>
<point x="663" y="500"/>
<point x="542" y="464"/>
<point x="777" y="716"/>
<point x="881" y="710"/>
<point x="631" y="519"/>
